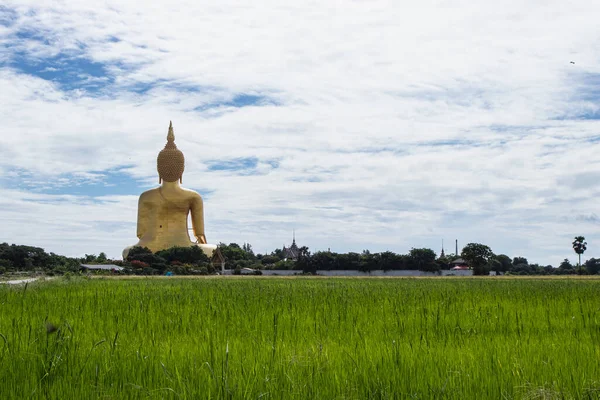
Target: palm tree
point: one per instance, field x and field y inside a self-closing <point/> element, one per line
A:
<point x="579" y="246"/>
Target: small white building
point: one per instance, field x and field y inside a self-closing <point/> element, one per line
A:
<point x="100" y="267"/>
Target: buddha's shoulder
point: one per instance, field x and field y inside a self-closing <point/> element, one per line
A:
<point x="148" y="194"/>
<point x="191" y="194"/>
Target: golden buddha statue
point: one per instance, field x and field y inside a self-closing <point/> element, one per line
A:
<point x="163" y="212"/>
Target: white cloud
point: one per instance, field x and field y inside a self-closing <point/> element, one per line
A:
<point x="396" y="124"/>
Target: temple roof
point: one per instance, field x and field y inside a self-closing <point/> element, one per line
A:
<point x="293" y="251"/>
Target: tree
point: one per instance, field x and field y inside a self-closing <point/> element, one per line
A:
<point x="135" y="251"/>
<point x="247" y="247"/>
<point x="520" y="260"/>
<point x="368" y="261"/>
<point x="304" y="261"/>
<point x="477" y="256"/>
<point x="423" y="259"/>
<point x="278" y="253"/>
<point x="389" y="260"/>
<point x="349" y="261"/>
<point x="324" y="260"/>
<point x="145" y="255"/>
<point x="494" y="265"/>
<point x="592" y="266"/>
<point x="579" y="246"/>
<point x="101" y="258"/>
<point x="186" y="255"/>
<point x="505" y="263"/>
<point x="233" y="252"/>
<point x="565" y="267"/>
<point x="269" y="260"/>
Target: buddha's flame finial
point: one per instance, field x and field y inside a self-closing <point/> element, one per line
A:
<point x="170" y="135"/>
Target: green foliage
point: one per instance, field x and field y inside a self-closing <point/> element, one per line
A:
<point x="592" y="266"/>
<point x="269" y="260"/>
<point x="304" y="260"/>
<point x="493" y="265"/>
<point x="566" y="264"/>
<point x="101" y="258"/>
<point x="284" y="265"/>
<point x="89" y="259"/>
<point x="505" y="263"/>
<point x="153" y="263"/>
<point x="28" y="258"/>
<point x="24" y="258"/>
<point x="531" y="269"/>
<point x="233" y="252"/>
<point x="296" y="338"/>
<point x="185" y="255"/>
<point x="144" y="262"/>
<point x="135" y="251"/>
<point x="579" y="246"/>
<point x="247" y="247"/>
<point x="423" y="260"/>
<point x="278" y="253"/>
<point x="368" y="261"/>
<point x="139" y="264"/>
<point x="243" y="264"/>
<point x="7" y="265"/>
<point x="179" y="260"/>
<point x="520" y="260"/>
<point x="478" y="257"/>
<point x="150" y="271"/>
<point x="389" y="261"/>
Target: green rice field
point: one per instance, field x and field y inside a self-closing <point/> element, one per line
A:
<point x="301" y="338"/>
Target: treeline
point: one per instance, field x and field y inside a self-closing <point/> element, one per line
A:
<point x="480" y="258"/>
<point x="185" y="261"/>
<point x="29" y="259"/>
<point x="417" y="259"/>
<point x="178" y="260"/>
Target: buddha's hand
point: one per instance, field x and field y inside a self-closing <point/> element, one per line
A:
<point x="201" y="239"/>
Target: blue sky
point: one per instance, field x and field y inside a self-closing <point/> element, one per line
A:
<point x="374" y="126"/>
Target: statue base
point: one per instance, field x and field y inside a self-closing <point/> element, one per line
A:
<point x="208" y="249"/>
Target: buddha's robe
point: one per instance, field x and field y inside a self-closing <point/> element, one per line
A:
<point x="163" y="219"/>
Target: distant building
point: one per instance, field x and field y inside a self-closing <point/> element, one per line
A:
<point x="217" y="260"/>
<point x="100" y="267"/>
<point x="458" y="265"/>
<point x="292" y="252"/>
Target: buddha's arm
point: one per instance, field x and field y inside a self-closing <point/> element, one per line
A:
<point x="142" y="220"/>
<point x="197" y="209"/>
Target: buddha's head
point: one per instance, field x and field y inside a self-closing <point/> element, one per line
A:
<point x="170" y="162"/>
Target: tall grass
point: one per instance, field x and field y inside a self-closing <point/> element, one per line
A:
<point x="301" y="338"/>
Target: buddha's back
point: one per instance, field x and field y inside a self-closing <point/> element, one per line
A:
<point x="163" y="211"/>
<point x="163" y="218"/>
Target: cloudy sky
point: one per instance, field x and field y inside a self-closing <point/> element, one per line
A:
<point x="380" y="125"/>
